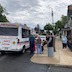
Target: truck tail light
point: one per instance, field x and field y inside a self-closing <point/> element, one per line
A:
<point x="18" y="40"/>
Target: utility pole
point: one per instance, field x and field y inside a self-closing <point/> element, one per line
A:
<point x="52" y="18"/>
<point x="52" y="14"/>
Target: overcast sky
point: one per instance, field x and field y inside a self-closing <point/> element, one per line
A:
<point x="33" y="12"/>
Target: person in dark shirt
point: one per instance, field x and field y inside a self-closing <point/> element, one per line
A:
<point x="47" y="37"/>
<point x="32" y="41"/>
<point x="50" y="45"/>
<point x="54" y="38"/>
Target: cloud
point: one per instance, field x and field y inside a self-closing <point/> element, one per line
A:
<point x="33" y="12"/>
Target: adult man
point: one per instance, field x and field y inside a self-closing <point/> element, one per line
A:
<point x="54" y="37"/>
<point x="32" y="41"/>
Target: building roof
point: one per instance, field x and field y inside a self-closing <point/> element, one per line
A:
<point x="70" y="5"/>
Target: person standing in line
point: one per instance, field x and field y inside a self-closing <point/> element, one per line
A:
<point x="54" y="38"/>
<point x="47" y="37"/>
<point x="43" y="44"/>
<point x="38" y="45"/>
<point x="32" y="41"/>
<point x="64" y="41"/>
<point x="50" y="45"/>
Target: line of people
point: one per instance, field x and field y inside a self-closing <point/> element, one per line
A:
<point x="35" y="44"/>
<point x="38" y="46"/>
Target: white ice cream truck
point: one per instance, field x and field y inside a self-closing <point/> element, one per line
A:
<point x="14" y="37"/>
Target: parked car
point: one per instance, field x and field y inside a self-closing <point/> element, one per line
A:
<point x="43" y="37"/>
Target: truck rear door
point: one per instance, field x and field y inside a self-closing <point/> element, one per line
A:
<point x="8" y="37"/>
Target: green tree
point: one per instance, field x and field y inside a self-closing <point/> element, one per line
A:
<point x="63" y="20"/>
<point x="60" y="23"/>
<point x="1" y="10"/>
<point x="2" y="16"/>
<point x="48" y="27"/>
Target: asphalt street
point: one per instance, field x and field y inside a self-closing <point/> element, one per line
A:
<point x="13" y="62"/>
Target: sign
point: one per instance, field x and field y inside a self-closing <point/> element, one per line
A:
<point x="8" y="25"/>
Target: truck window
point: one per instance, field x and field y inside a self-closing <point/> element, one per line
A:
<point x="8" y="31"/>
<point x="25" y="33"/>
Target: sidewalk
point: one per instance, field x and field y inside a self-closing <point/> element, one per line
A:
<point x="61" y="57"/>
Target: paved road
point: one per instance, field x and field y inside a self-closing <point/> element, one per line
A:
<point x="22" y="63"/>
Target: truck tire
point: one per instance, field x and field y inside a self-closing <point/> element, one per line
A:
<point x="2" y="52"/>
<point x="23" y="50"/>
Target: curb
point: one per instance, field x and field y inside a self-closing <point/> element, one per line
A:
<point x="64" y="66"/>
<point x="58" y="65"/>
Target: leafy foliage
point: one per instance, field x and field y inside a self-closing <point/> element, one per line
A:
<point x="48" y="27"/>
<point x="60" y="23"/>
<point x="63" y="20"/>
<point x="2" y="17"/>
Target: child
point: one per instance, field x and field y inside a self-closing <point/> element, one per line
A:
<point x="43" y="43"/>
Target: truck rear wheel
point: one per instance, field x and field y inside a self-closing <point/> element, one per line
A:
<point x="23" y="50"/>
<point x="2" y="52"/>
